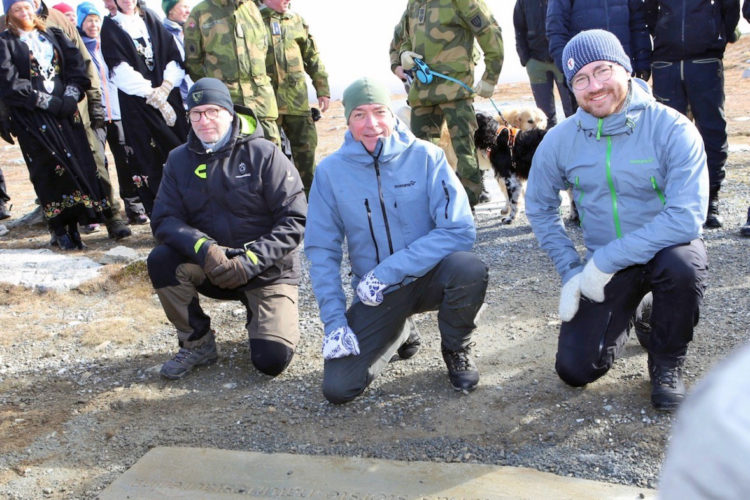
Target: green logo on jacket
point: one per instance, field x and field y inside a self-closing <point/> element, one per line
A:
<point x="643" y="161"/>
<point x="200" y="171"/>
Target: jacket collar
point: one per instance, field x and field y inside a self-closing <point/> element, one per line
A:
<point x="245" y="126"/>
<point x="387" y="149"/>
<point x="623" y="122"/>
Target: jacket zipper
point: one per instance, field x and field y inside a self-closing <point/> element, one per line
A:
<point x="372" y="230"/>
<point x="610" y="181"/>
<point x="579" y="203"/>
<point x="382" y="205"/>
<point x="658" y="191"/>
<point x="447" y="198"/>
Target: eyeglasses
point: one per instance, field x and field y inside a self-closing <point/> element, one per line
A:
<point x="602" y="74"/>
<point x="210" y="114"/>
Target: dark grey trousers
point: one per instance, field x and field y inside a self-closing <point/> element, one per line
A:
<point x="455" y="288"/>
<point x="590" y="342"/>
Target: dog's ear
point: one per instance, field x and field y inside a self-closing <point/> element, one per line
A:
<point x="486" y="133"/>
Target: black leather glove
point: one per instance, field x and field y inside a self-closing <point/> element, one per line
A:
<point x="68" y="107"/>
<point x="5" y="131"/>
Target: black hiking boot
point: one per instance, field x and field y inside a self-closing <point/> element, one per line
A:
<point x="462" y="372"/>
<point x="745" y="230"/>
<point x="409" y="348"/>
<point x="713" y="221"/>
<point x="667" y="387"/>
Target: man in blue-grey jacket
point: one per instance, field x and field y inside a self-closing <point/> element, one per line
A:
<point x="639" y="177"/>
<point x="408" y="230"/>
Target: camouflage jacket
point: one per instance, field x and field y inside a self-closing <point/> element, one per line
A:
<point x="228" y="41"/>
<point x="292" y="52"/>
<point x="443" y="31"/>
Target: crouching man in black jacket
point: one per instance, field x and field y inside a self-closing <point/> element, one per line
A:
<point x="229" y="216"/>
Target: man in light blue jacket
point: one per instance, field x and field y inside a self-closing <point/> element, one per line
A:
<point x="640" y="181"/>
<point x="408" y="230"/>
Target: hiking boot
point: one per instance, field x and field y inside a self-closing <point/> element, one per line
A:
<point x="138" y="219"/>
<point x="64" y="241"/>
<point x="409" y="348"/>
<point x="667" y="387"/>
<point x="4" y="211"/>
<point x="188" y="358"/>
<point x="462" y="372"/>
<point x="712" y="217"/>
<point x="745" y="230"/>
<point x="118" y="229"/>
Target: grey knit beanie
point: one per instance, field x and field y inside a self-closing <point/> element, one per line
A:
<point x="589" y="46"/>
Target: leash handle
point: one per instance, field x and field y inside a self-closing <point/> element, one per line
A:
<point x="425" y="75"/>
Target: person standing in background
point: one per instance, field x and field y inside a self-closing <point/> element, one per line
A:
<point x="533" y="51"/>
<point x="442" y="35"/>
<point x="688" y="73"/>
<point x="176" y="13"/>
<point x="292" y="52"/>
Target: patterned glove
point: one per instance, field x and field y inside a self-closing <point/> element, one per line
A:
<point x="593" y="281"/>
<point x="407" y="59"/>
<point x="167" y="112"/>
<point x="340" y="343"/>
<point x="484" y="89"/>
<point x="570" y="295"/>
<point x="160" y="94"/>
<point x="370" y="290"/>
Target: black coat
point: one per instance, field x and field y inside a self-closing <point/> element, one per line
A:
<point x="247" y="192"/>
<point x="531" y="37"/>
<point x="61" y="165"/>
<point x="691" y="29"/>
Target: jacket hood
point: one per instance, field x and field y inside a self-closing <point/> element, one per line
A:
<point x="639" y="97"/>
<point x="245" y="127"/>
<point x="386" y="150"/>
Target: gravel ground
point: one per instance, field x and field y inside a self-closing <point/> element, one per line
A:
<point x="81" y="399"/>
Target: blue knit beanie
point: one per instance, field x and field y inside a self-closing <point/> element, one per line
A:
<point x="7" y="4"/>
<point x="84" y="10"/>
<point x="589" y="46"/>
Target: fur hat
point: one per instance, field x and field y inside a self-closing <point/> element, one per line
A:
<point x="364" y="91"/>
<point x="589" y="46"/>
<point x="84" y="10"/>
<point x="7" y="4"/>
<point x="209" y="91"/>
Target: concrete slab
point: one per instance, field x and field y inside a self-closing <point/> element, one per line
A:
<point x="199" y="473"/>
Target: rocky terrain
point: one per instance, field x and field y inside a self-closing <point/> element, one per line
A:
<point x="81" y="399"/>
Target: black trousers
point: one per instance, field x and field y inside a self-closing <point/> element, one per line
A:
<point x="455" y="288"/>
<point x="590" y="342"/>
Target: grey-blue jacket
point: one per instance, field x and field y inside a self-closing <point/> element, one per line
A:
<point x="639" y="178"/>
<point x="401" y="212"/>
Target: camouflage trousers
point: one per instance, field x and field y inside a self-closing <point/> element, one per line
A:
<point x="461" y="120"/>
<point x="270" y="130"/>
<point x="303" y="138"/>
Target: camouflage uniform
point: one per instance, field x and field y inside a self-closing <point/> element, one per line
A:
<point x="443" y="31"/>
<point x="292" y="52"/>
<point x="228" y="41"/>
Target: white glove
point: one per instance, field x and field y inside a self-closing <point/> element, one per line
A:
<point x="484" y="89"/>
<point x="370" y="290"/>
<point x="340" y="343"/>
<point x="593" y="281"/>
<point x="407" y="59"/>
<point x="570" y="295"/>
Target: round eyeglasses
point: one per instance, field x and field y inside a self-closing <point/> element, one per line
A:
<point x="601" y="74"/>
<point x="210" y="114"/>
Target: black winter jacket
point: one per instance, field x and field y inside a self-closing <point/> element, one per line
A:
<point x="625" y="18"/>
<point x="691" y="29"/>
<point x="531" y="37"/>
<point x="245" y="195"/>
